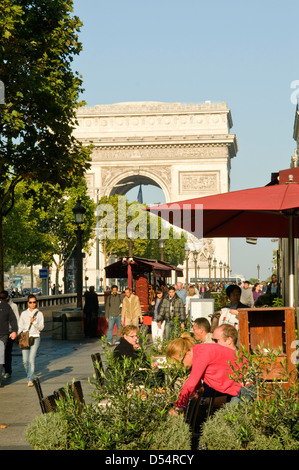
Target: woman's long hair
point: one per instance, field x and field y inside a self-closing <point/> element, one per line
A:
<point x="180" y="346"/>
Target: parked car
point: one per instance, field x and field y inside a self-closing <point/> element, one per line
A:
<point x="26" y="291"/>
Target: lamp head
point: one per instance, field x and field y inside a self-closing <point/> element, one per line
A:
<point x="79" y="212"/>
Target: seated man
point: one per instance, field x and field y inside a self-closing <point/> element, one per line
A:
<point x="202" y="330"/>
<point x="226" y="335"/>
<point x="209" y="364"/>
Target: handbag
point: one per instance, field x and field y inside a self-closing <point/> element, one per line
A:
<point x="25" y="341"/>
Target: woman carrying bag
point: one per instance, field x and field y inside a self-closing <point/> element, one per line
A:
<point x="33" y="320"/>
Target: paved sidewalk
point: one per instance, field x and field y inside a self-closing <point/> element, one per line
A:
<point x="58" y="362"/>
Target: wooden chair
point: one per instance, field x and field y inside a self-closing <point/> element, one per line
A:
<point x="39" y="392"/>
<point x="197" y="412"/>
<point x="98" y="367"/>
<point x="49" y="403"/>
<point x="60" y="393"/>
<point x="77" y="392"/>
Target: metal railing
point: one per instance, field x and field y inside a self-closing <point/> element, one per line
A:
<point x="47" y="300"/>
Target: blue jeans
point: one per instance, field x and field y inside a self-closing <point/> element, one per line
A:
<point x="112" y="321"/>
<point x="169" y="327"/>
<point x="29" y="355"/>
<point x="246" y="393"/>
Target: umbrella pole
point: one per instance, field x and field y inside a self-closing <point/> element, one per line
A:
<point x="130" y="276"/>
<point x="291" y="262"/>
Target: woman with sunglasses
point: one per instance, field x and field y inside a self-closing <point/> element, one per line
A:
<point x="32" y="316"/>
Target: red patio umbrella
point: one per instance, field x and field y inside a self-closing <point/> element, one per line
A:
<point x="263" y="212"/>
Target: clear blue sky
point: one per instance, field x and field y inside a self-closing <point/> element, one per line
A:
<point x="189" y="51"/>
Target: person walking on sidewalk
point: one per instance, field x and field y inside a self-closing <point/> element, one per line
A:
<point x="4" y="296"/>
<point x="172" y="307"/>
<point x="7" y="321"/>
<point x="90" y="312"/>
<point x="32" y="316"/>
<point x="131" y="312"/>
<point x="154" y="309"/>
<point x="113" y="314"/>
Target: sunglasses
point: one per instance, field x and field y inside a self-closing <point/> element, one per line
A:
<point x="32" y="302"/>
<point x="215" y="340"/>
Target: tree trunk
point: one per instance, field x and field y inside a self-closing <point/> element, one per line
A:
<point x="1" y="256"/>
<point x="31" y="279"/>
<point x="58" y="267"/>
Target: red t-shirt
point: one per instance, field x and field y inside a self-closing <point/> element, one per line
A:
<point x="211" y="364"/>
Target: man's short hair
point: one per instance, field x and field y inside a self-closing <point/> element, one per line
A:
<point x="114" y="286"/>
<point x="229" y="331"/>
<point x="204" y="323"/>
<point x="4" y="294"/>
<point x="171" y="288"/>
<point x="232" y="287"/>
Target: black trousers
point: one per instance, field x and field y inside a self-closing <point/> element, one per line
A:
<point x="8" y="356"/>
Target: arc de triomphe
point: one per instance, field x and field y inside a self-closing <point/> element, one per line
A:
<point x="185" y="149"/>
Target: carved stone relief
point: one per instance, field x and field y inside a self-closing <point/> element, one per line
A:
<point x="109" y="175"/>
<point x="199" y="181"/>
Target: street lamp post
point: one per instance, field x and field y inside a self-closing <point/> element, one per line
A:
<point x="228" y="272"/>
<point x="187" y="252"/>
<point x="215" y="265"/>
<point x="129" y="260"/>
<point x="258" y="272"/>
<point x="195" y="255"/>
<point x="210" y="266"/>
<point x="220" y="270"/>
<point x="79" y="213"/>
<point x="224" y="273"/>
<point x="162" y="246"/>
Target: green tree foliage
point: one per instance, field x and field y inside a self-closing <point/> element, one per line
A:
<point x="38" y="41"/>
<point x="45" y="232"/>
<point x="116" y="213"/>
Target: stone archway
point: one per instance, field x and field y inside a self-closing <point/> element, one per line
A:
<point x="116" y="183"/>
<point x="185" y="149"/>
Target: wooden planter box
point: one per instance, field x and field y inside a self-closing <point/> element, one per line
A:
<point x="272" y="328"/>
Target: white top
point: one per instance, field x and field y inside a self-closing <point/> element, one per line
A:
<point x="195" y="296"/>
<point x="37" y="324"/>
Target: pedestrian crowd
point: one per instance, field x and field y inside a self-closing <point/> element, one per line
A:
<point x="168" y="304"/>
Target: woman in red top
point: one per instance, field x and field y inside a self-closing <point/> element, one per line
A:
<point x="209" y="363"/>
